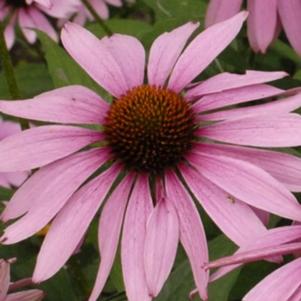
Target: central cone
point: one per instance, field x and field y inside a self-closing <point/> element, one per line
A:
<point x="150" y="128"/>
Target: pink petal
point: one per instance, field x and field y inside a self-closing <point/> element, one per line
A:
<point x="8" y="128"/>
<point x="284" y="167"/>
<point x="262" y="23"/>
<point x="235" y="96"/>
<point x="226" y="81"/>
<point x="9" y="32"/>
<point x="133" y="239"/>
<point x="263" y="131"/>
<point x="27" y="24"/>
<point x="73" y="104"/>
<point x="165" y="52"/>
<point x="100" y="62"/>
<point x="41" y="23"/>
<point x="101" y="8"/>
<point x="236" y="219"/>
<point x="279" y="285"/>
<point x="203" y="50"/>
<point x="47" y="191"/>
<point x="290" y="15"/>
<point x="272" y="108"/>
<point x="29" y="295"/>
<point x="61" y="9"/>
<point x="39" y="146"/>
<point x="109" y="232"/>
<point x="221" y="10"/>
<point x="70" y="225"/>
<point x="192" y="234"/>
<point x="248" y="183"/>
<point x="129" y="54"/>
<point x="4" y="278"/>
<point x="262" y="215"/>
<point x="161" y="242"/>
<point x="296" y="296"/>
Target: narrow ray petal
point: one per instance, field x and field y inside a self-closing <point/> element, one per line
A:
<point x="28" y="295"/>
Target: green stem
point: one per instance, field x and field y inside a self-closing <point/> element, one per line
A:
<point x="8" y="66"/>
<point x="9" y="73"/>
<point x="90" y="8"/>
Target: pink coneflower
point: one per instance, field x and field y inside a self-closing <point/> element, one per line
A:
<point x="7" y="180"/>
<point x="156" y="135"/>
<point x="6" y="286"/>
<point x="30" y="14"/>
<point x="283" y="284"/>
<point x="99" y="6"/>
<point x="263" y="21"/>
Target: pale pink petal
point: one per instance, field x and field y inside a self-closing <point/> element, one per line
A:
<point x="279" y="285"/>
<point x="203" y="50"/>
<point x="133" y="239"/>
<point x="8" y="128"/>
<point x="262" y="215"/>
<point x="41" y="23"/>
<point x="27" y="24"/>
<point x="262" y="23"/>
<point x="16" y="178"/>
<point x="256" y="187"/>
<point x="109" y="232"/>
<point x="165" y="51"/>
<point x="284" y="167"/>
<point x="236" y="219"/>
<point x="280" y="106"/>
<point x="263" y="131"/>
<point x="39" y="146"/>
<point x="100" y="62"/>
<point x="73" y="104"/>
<point x="290" y="15"/>
<point x="226" y="81"/>
<point x="114" y="2"/>
<point x="101" y="8"/>
<point x="221" y="10"/>
<point x="46" y="3"/>
<point x="29" y="295"/>
<point x="235" y="96"/>
<point x="9" y="32"/>
<point x="4" y="278"/>
<point x="297" y="295"/>
<point x="271" y="238"/>
<point x="47" y="191"/>
<point x="192" y="233"/>
<point x="61" y="9"/>
<point x="129" y="54"/>
<point x="70" y="225"/>
<point x="4" y="181"/>
<point x="161" y="241"/>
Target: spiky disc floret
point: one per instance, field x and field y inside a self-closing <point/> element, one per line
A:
<point x="150" y="128"/>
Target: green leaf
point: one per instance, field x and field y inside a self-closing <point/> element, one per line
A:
<point x="63" y="69"/>
<point x="5" y="194"/>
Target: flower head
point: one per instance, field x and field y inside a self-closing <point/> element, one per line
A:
<point x="159" y="136"/>
<point x="263" y="21"/>
<point x="7" y="180"/>
<point x="30" y="14"/>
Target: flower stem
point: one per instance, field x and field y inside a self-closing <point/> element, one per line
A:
<point x="8" y="66"/>
<point x="90" y="8"/>
<point x="9" y="73"/>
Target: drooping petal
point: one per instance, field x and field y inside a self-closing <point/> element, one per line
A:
<point x="235" y="96"/>
<point x="29" y="295"/>
<point x="161" y="241"/>
<point x="248" y="183"/>
<point x="129" y="54"/>
<point x="133" y="239"/>
<point x="47" y="191"/>
<point x="101" y="8"/>
<point x="39" y="146"/>
<point x="290" y="15"/>
<point x="203" y="50"/>
<point x="262" y="23"/>
<point x="236" y="219"/>
<point x="226" y="81"/>
<point x="70" y="225"/>
<point x="27" y="24"/>
<point x="279" y="285"/>
<point x="165" y="52"/>
<point x="100" y="62"/>
<point x="4" y="278"/>
<point x="284" y="167"/>
<point x="280" y="106"/>
<point x="264" y="131"/>
<point x="9" y="32"/>
<point x="221" y="10"/>
<point x="72" y="104"/>
<point x="192" y="233"/>
<point x="61" y="9"/>
<point x="109" y="232"/>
